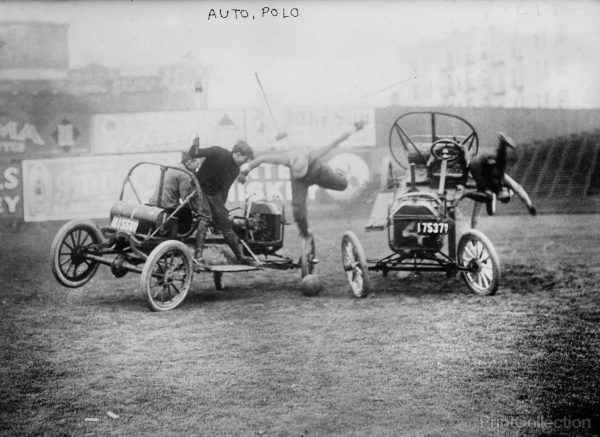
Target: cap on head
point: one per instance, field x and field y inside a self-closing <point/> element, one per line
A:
<point x="243" y="148"/>
<point x="298" y="164"/>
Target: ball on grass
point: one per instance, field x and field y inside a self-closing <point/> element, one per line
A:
<point x="311" y="285"/>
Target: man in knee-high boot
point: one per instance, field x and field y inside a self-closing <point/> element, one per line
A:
<point x="217" y="173"/>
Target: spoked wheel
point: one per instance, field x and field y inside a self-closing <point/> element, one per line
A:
<point x="308" y="257"/>
<point x="167" y="275"/>
<point x="73" y="240"/>
<point x="218" y="279"/>
<point x="355" y="265"/>
<point x="476" y="252"/>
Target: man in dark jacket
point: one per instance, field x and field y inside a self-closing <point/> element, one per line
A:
<point x="217" y="173"/>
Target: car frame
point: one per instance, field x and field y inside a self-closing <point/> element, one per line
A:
<point x="156" y="242"/>
<point x="419" y="209"/>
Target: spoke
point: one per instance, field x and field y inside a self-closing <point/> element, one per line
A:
<point x="65" y="261"/>
<point x="79" y="233"/>
<point x="84" y="242"/>
<point x="73" y="239"/>
<point x="162" y="269"/>
<point x="67" y="244"/>
<point x="69" y="269"/>
<point x="65" y="253"/>
<point x="159" y="289"/>
<point x="468" y="252"/>
<point x="175" y="288"/>
<point x="487" y="274"/>
<point x="480" y="249"/>
<point x="483" y="280"/>
<point x="472" y="249"/>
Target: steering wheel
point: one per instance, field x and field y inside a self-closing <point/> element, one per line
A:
<point x="446" y="149"/>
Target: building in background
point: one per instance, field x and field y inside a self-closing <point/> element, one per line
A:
<point x="34" y="59"/>
<point x="526" y="63"/>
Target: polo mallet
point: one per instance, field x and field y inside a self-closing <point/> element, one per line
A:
<point x="197" y="92"/>
<point x="280" y="135"/>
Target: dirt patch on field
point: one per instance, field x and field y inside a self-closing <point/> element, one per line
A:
<point x="419" y="356"/>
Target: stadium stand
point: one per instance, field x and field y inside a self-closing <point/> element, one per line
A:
<point x="559" y="173"/>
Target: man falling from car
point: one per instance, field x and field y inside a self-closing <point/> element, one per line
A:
<point x="489" y="173"/>
<point x="216" y="174"/>
<point x="306" y="169"/>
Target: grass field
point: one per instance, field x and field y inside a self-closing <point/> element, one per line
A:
<point x="420" y="356"/>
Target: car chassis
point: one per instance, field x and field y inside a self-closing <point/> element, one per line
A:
<point x="420" y="212"/>
<point x="144" y="237"/>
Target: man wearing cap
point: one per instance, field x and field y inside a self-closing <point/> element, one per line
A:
<point x="217" y="173"/>
<point x="177" y="186"/>
<point x="306" y="169"/>
<point x="489" y="173"/>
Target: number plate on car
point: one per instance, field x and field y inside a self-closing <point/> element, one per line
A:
<point x="432" y="228"/>
<point x="124" y="223"/>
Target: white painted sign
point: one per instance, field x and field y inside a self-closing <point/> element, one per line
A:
<point x="86" y="187"/>
<point x="165" y="131"/>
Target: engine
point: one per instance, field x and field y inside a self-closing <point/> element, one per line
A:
<point x="261" y="227"/>
<point x="410" y="213"/>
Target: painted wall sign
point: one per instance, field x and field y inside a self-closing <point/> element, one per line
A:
<point x="86" y="187"/>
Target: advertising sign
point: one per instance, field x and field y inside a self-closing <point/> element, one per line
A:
<point x="272" y="181"/>
<point x="11" y="193"/>
<point x="165" y="131"/>
<point x="86" y="187"/>
<point x="309" y="127"/>
<point x="52" y="134"/>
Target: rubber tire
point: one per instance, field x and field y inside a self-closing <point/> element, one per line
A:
<point x="306" y="266"/>
<point x="155" y="256"/>
<point x="359" y="257"/>
<point x="66" y="230"/>
<point x="480" y="237"/>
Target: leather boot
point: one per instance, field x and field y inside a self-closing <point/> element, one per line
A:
<point x="201" y="232"/>
<point x="233" y="242"/>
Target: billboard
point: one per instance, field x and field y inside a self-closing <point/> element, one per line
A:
<point x="165" y="131"/>
<point x="85" y="187"/>
<point x="272" y="181"/>
<point x="11" y="192"/>
<point x="43" y="135"/>
<point x="309" y="127"/>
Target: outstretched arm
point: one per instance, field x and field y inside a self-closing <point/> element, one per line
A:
<point x="517" y="188"/>
<point x="322" y="151"/>
<point x="273" y="158"/>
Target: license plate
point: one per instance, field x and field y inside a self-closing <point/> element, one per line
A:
<point x="432" y="228"/>
<point x="124" y="224"/>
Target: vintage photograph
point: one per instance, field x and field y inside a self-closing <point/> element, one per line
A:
<point x="300" y="218"/>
